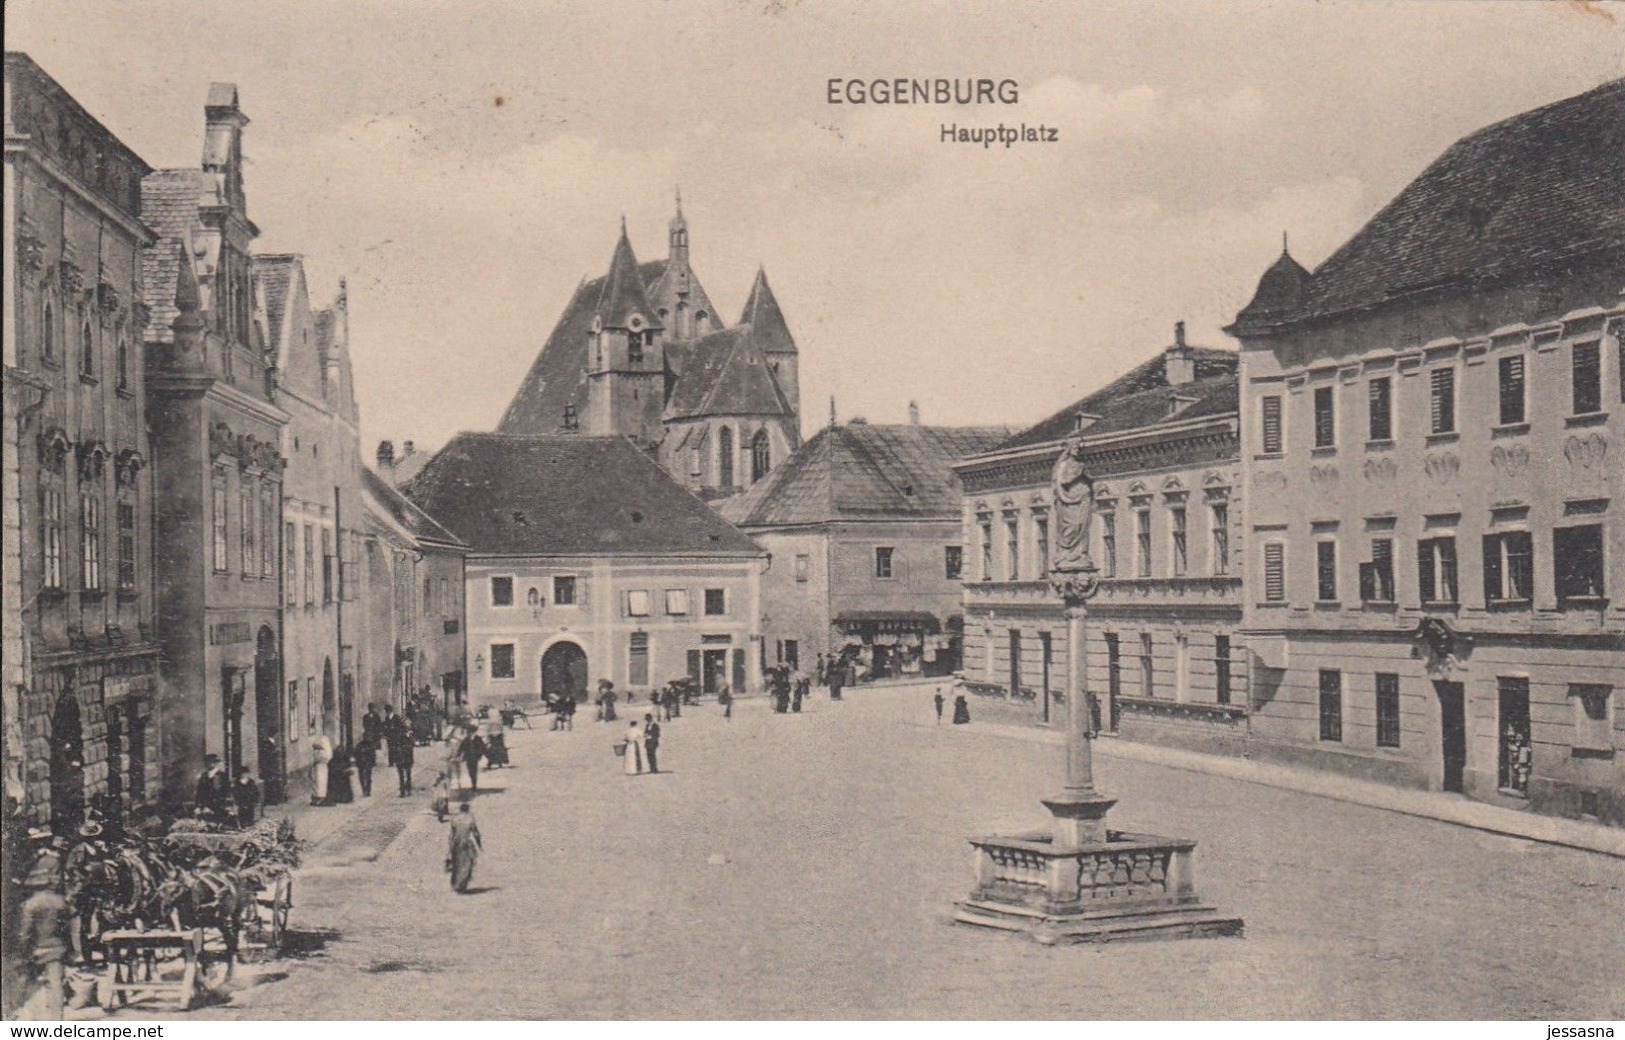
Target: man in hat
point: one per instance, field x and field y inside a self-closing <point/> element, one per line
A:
<point x="651" y="741"/>
<point x="245" y="794"/>
<point x="212" y="800"/>
<point x="43" y="929"/>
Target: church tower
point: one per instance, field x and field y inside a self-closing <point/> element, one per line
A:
<point x="626" y="370"/>
<point x="679" y="302"/>
<point x="771" y="335"/>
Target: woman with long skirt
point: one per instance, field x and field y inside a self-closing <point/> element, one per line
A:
<point x="465" y="848"/>
<point x="633" y="761"/>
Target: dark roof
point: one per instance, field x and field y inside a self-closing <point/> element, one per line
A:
<point x="859" y="471"/>
<point x="622" y="294"/>
<point x="1142" y="397"/>
<point x="762" y="313"/>
<point x="406" y="513"/>
<point x="554" y="496"/>
<point x="724" y="373"/>
<point x="558" y="376"/>
<point x="1536" y="192"/>
<point x="169" y="202"/>
<point x="1280" y="292"/>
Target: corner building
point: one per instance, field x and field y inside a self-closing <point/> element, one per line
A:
<point x="80" y="652"/>
<point x="1432" y="460"/>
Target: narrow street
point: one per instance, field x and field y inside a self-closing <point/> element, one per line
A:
<point x="806" y="866"/>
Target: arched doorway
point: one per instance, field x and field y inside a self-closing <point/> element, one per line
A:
<point x="67" y="764"/>
<point x="268" y="713"/>
<point x="564" y="671"/>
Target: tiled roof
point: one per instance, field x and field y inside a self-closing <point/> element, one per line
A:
<point x="275" y="273"/>
<point x="169" y="202"/>
<point x="550" y="496"/>
<point x="404" y="511"/>
<point x="762" y="313"/>
<point x="558" y="376"/>
<point x="860" y="471"/>
<point x="1143" y="397"/>
<point x="622" y="294"/>
<point x="725" y="374"/>
<point x="1536" y="192"/>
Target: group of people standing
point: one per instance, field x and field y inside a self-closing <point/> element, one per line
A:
<point x="399" y="739"/>
<point x="222" y="800"/>
<point x="641" y="753"/>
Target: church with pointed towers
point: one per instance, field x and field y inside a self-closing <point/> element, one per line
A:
<point x="642" y="353"/>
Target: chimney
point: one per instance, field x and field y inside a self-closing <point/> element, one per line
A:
<point x="223" y="139"/>
<point x="914" y="413"/>
<point x="1178" y="367"/>
<point x="386" y="456"/>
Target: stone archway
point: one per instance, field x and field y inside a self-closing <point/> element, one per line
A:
<point x="564" y="671"/>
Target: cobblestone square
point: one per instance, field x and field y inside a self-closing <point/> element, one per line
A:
<point x="805" y="866"/>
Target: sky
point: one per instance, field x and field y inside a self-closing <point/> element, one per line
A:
<point x="465" y="165"/>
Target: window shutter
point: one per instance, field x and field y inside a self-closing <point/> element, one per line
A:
<point x="1443" y="401"/>
<point x="1424" y="571"/>
<point x="1272" y="425"/>
<point x="1382" y="427"/>
<point x="1492" y="568"/>
<point x="1512" y="389"/>
<point x="1587" y="377"/>
<point x="1274" y="572"/>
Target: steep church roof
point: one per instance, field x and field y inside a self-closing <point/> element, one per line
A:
<point x="725" y="373"/>
<point x="762" y="313"/>
<point x="622" y="295"/>
<point x="558" y="376"/>
<point x="552" y="496"/>
<point x="1535" y="193"/>
<point x="860" y="471"/>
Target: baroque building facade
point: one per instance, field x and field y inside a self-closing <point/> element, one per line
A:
<point x="1432" y="463"/>
<point x="642" y="353"/>
<point x="862" y="528"/>
<point x="80" y="652"/>
<point x="1164" y="659"/>
<point x="216" y="428"/>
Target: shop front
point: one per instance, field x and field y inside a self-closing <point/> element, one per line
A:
<point x="894" y="644"/>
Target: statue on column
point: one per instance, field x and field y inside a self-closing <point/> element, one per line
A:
<point x="1074" y="492"/>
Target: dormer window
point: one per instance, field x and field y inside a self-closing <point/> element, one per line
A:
<point x="1083" y="421"/>
<point x="572" y="422"/>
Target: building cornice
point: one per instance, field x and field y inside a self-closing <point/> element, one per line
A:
<point x="21" y="145"/>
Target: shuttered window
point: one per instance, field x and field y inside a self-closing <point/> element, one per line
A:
<point x="1274" y="572"/>
<point x="1381" y="395"/>
<point x="1442" y="400"/>
<point x="1587" y="366"/>
<point x="1272" y="425"/>
<point x="1436" y="570"/>
<point x="1326" y="571"/>
<point x="1511" y="387"/>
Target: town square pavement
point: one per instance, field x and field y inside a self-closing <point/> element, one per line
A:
<point x="806" y="866"/>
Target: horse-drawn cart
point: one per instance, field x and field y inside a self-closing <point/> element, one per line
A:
<point x="261" y="858"/>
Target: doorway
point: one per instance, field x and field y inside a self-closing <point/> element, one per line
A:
<point x="1452" y="732"/>
<point x="564" y="671"/>
<point x="233" y="691"/>
<point x="67" y="764"/>
<point x="268" y="714"/>
<point x="713" y="670"/>
<point x="1516" y="751"/>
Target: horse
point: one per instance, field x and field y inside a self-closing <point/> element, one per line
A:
<point x="210" y="896"/>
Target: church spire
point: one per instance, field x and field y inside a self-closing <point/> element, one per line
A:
<point x="679" y="234"/>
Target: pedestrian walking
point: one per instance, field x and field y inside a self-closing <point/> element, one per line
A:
<point x="43" y="929"/>
<point x="821" y="674"/>
<point x="246" y="794"/>
<point x="835" y="683"/>
<point x="366" y="760"/>
<point x="473" y="750"/>
<point x="440" y="797"/>
<point x="632" y="762"/>
<point x="372" y="725"/>
<point x="726" y="699"/>
<point x="339" y="791"/>
<point x="651" y="742"/>
<point x="400" y="748"/>
<point x="938" y="701"/>
<point x="961" y="710"/>
<point x="465" y="847"/>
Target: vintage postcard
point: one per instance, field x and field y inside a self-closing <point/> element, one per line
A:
<point x="783" y="510"/>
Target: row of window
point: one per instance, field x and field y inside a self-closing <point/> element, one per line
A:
<point x="761" y="457"/>
<point x="1585" y="398"/>
<point x="1508" y="569"/>
<point x="636" y="602"/>
<point x="1592" y="719"/>
<point x="89" y="356"/>
<point x="1223" y="662"/>
<point x="1144" y="562"/>
<point x="53" y="539"/>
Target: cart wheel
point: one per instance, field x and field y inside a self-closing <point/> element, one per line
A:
<point x="280" y="909"/>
